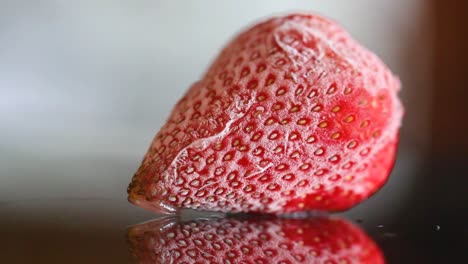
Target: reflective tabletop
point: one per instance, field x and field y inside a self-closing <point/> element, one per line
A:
<point x="100" y="230"/>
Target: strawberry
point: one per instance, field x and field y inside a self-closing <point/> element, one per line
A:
<point x="293" y="115"/>
<point x="315" y="240"/>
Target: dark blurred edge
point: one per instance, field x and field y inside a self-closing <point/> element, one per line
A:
<point x="441" y="189"/>
<point x="440" y="198"/>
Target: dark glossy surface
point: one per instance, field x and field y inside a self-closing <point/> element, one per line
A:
<point x="68" y="231"/>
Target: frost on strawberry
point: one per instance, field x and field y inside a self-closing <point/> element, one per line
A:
<point x="293" y="115"/>
<point x="288" y="241"/>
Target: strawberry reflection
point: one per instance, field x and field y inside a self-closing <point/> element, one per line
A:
<point x="252" y="240"/>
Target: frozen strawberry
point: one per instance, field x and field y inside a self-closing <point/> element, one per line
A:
<point x="225" y="241"/>
<point x="293" y="115"/>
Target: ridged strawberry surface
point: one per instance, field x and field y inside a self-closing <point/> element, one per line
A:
<point x="274" y="241"/>
<point x="293" y="115"/>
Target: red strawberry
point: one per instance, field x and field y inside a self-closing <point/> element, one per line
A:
<point x="293" y="115"/>
<point x="320" y="240"/>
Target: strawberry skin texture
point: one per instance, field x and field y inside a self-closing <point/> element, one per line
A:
<point x="316" y="240"/>
<point x="293" y="115"/>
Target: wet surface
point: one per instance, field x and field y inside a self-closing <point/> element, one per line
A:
<point x="97" y="230"/>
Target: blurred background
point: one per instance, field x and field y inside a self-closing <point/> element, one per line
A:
<point x="85" y="85"/>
